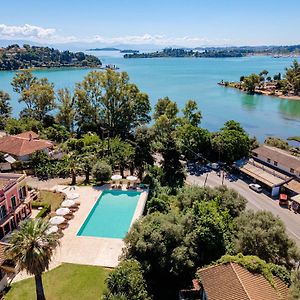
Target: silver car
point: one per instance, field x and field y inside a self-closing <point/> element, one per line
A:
<point x="255" y="187"/>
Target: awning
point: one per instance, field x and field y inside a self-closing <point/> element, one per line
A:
<point x="293" y="185"/>
<point x="262" y="175"/>
<point x="296" y="198"/>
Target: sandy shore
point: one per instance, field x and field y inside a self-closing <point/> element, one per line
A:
<point x="261" y="92"/>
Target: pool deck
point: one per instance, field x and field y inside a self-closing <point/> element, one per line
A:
<point x="86" y="250"/>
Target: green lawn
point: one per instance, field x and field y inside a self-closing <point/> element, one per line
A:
<point x="54" y="199"/>
<point x="66" y="282"/>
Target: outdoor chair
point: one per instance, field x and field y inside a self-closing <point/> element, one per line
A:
<point x="74" y="208"/>
<point x="63" y="226"/>
<point x="69" y="216"/>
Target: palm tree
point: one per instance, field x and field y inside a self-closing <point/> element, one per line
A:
<point x="73" y="165"/>
<point x="87" y="162"/>
<point x="32" y="248"/>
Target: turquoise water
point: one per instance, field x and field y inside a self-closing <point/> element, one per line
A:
<point x="111" y="216"/>
<point x="186" y="78"/>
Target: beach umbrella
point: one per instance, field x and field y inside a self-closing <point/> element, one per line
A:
<point x="131" y="178"/>
<point x="116" y="177"/>
<point x="57" y="220"/>
<point x="68" y="203"/>
<point x="62" y="211"/>
<point x="72" y="196"/>
<point x="52" y="229"/>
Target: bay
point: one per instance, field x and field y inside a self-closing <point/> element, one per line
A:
<point x="190" y="78"/>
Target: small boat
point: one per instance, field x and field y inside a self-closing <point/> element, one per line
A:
<point x="111" y="67"/>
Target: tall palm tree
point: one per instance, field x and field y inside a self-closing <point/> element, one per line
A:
<point x="31" y="247"/>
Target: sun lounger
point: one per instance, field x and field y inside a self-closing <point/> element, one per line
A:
<point x="63" y="226"/>
<point x="69" y="216"/>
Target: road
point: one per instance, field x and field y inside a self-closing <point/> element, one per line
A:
<point x="255" y="200"/>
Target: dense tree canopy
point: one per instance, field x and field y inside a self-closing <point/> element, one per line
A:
<point x="127" y="281"/>
<point x="231" y="142"/>
<point x="292" y="77"/>
<point x="37" y="94"/>
<point x="66" y="110"/>
<point x="264" y="235"/>
<point x="5" y="108"/>
<point x="109" y="100"/>
<point x="250" y="82"/>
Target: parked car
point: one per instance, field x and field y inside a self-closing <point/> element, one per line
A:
<point x="215" y="166"/>
<point x="255" y="187"/>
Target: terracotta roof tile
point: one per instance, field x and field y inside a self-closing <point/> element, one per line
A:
<point x="23" y="144"/>
<point x="221" y="282"/>
<point x="233" y="282"/>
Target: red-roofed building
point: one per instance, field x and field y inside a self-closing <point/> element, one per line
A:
<point x="22" y="145"/>
<point x="233" y="282"/>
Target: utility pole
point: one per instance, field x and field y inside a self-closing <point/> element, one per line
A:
<point x="205" y="179"/>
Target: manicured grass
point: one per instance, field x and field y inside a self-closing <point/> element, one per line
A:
<point x="54" y="199"/>
<point x="66" y="282"/>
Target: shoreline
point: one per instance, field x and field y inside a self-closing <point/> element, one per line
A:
<point x="52" y="68"/>
<point x="260" y="92"/>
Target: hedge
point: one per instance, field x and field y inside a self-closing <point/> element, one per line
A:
<point x="46" y="208"/>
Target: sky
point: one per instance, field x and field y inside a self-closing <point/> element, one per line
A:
<point x="187" y="23"/>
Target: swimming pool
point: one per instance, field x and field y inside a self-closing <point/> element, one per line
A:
<point x="111" y="215"/>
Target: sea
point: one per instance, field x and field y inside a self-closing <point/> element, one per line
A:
<point x="195" y="78"/>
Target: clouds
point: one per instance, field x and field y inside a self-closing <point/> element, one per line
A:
<point x="32" y="32"/>
<point x="159" y="40"/>
<point x="50" y="35"/>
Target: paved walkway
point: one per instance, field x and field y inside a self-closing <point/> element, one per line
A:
<point x="85" y="250"/>
<point x="49" y="184"/>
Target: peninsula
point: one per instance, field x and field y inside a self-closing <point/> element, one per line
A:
<point x="286" y="86"/>
<point x="15" y="57"/>
<point x="275" y="51"/>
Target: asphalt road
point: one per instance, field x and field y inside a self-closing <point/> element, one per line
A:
<point x="255" y="200"/>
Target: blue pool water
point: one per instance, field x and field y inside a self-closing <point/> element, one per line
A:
<point x="111" y="215"/>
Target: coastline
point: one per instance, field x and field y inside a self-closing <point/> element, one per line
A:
<point x="53" y="68"/>
<point x="261" y="92"/>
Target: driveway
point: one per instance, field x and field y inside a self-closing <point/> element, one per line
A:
<point x="255" y="201"/>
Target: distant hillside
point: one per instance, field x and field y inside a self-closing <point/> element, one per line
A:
<point x="221" y="52"/>
<point x="15" y="57"/>
<point x="103" y="49"/>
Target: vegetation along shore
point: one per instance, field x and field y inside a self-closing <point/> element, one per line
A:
<point x="286" y="86"/>
<point x="275" y="51"/>
<point x="15" y="57"/>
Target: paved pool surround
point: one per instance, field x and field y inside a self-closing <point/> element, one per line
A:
<point x="89" y="250"/>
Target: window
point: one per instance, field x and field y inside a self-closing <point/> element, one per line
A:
<point x="269" y="160"/>
<point x="292" y="170"/>
<point x="275" y="163"/>
<point x="3" y="212"/>
<point x="13" y="201"/>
